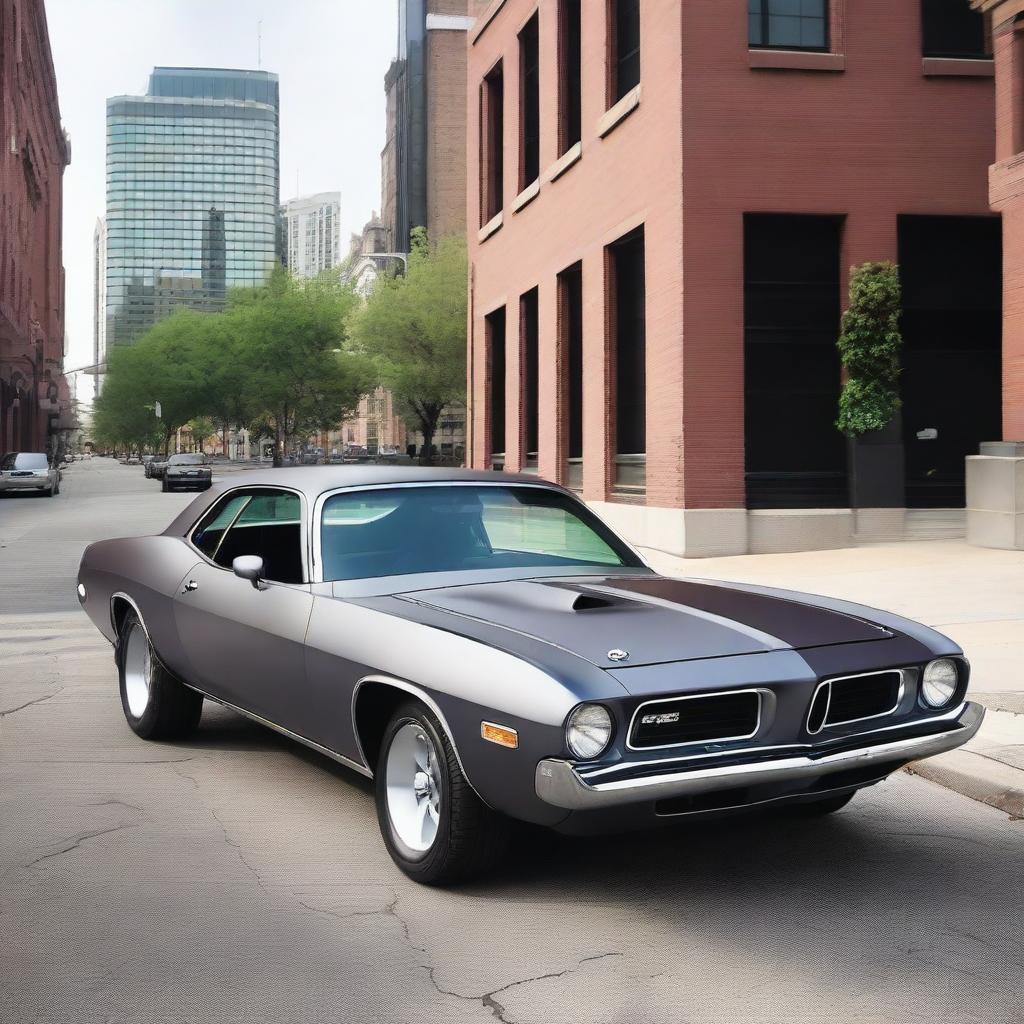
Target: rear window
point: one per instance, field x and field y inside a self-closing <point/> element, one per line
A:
<point x="188" y="460"/>
<point x="25" y="460"/>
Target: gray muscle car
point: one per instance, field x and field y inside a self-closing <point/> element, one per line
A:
<point x="487" y="650"/>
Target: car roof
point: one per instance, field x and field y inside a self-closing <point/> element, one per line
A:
<point x="312" y="481"/>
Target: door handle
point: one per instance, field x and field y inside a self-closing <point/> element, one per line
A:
<point x="190" y="586"/>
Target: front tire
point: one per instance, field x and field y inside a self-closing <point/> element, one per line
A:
<point x="157" y="705"/>
<point x="164" y="486"/>
<point x="436" y="829"/>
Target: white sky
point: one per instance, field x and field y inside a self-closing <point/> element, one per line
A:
<point x="330" y="55"/>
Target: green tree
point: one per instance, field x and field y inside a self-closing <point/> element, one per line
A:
<point x="414" y="327"/>
<point x="123" y="414"/>
<point x="869" y="347"/>
<point x="298" y="373"/>
<point x="201" y="428"/>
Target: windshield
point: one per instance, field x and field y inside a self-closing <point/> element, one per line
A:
<point x="25" y="460"/>
<point x="392" y="532"/>
<point x="187" y="460"/>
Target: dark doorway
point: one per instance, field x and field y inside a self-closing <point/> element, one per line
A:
<point x="950" y="270"/>
<point x="570" y="319"/>
<point x="529" y="346"/>
<point x="496" y="392"/>
<point x="795" y="456"/>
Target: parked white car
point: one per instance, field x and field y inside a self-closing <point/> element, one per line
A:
<point x="29" y="471"/>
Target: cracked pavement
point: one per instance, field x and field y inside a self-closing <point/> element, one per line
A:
<point x="239" y="877"/>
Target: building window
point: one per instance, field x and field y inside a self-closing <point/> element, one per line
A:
<point x="624" y="47"/>
<point x="495" y="339"/>
<point x="570" y="323"/>
<point x="950" y="28"/>
<point x="569" y="74"/>
<point x="529" y="343"/>
<point x="789" y="24"/>
<point x="529" y="105"/>
<point x="795" y="457"/>
<point x="492" y="131"/>
<point x="629" y="360"/>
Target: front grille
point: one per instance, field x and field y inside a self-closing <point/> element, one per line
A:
<point x="851" y="699"/>
<point x="707" y="718"/>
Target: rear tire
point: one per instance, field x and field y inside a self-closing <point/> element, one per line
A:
<point x="819" y="808"/>
<point x="454" y="838"/>
<point x="157" y="705"/>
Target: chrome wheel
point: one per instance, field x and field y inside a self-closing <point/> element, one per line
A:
<point x="413" y="787"/>
<point x="138" y="670"/>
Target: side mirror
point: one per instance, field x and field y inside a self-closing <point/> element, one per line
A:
<point x="249" y="567"/>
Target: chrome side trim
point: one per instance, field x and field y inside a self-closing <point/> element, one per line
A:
<point x="761" y="692"/>
<point x="558" y="783"/>
<point x="326" y="751"/>
<point x="826" y="724"/>
<point x="419" y="694"/>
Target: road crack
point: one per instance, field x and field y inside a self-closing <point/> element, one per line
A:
<point x="31" y="703"/>
<point x="241" y="856"/>
<point x="75" y="842"/>
<point x="487" y="1000"/>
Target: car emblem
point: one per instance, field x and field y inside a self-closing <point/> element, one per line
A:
<point x="616" y="655"/>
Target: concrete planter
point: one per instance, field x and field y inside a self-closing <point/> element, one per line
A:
<point x="995" y="496"/>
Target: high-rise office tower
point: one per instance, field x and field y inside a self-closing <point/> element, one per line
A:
<point x="313" y="233"/>
<point x="192" y="194"/>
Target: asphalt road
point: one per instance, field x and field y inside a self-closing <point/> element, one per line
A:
<point x="239" y="877"/>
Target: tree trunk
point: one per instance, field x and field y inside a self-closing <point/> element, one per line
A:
<point x="278" y="446"/>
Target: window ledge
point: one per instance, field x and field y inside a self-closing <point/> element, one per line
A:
<point x="491" y="226"/>
<point x="619" y="112"/>
<point x="564" y="162"/>
<point x="526" y="196"/>
<point x="957" y="68"/>
<point x="797" y="60"/>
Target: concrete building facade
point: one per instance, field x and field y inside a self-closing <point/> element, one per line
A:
<point x="423" y="163"/>
<point x="35" y="150"/>
<point x="665" y="203"/>
<point x="312" y="230"/>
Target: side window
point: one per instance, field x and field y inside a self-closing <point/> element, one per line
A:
<point x="208" y="534"/>
<point x="270" y="526"/>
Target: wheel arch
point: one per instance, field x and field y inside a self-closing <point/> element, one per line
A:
<point x="120" y="604"/>
<point x="374" y="700"/>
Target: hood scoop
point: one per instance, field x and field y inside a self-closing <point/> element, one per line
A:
<point x="591" y="602"/>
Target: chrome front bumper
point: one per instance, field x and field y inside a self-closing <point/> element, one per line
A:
<point x="559" y="783"/>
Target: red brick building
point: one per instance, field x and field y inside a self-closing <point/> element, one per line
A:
<point x="1006" y="191"/>
<point x="670" y="196"/>
<point x="33" y="155"/>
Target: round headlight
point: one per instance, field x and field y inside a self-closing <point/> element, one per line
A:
<point x="939" y="682"/>
<point x="588" y="731"/>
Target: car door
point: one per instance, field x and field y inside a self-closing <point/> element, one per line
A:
<point x="246" y="642"/>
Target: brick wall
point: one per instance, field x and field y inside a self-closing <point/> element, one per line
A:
<point x="33" y="155"/>
<point x="863" y="132"/>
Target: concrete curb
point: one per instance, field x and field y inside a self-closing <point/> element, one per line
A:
<point x="976" y="776"/>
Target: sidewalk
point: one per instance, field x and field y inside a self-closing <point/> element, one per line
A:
<point x="974" y="595"/>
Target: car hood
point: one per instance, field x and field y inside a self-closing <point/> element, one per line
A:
<point x="651" y="619"/>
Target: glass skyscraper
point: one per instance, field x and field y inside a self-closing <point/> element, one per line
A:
<point x="192" y="193"/>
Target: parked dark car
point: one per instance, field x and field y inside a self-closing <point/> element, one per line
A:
<point x="187" y="472"/>
<point x="147" y="461"/>
<point x="155" y="470"/>
<point x="486" y="649"/>
<point x="29" y="471"/>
